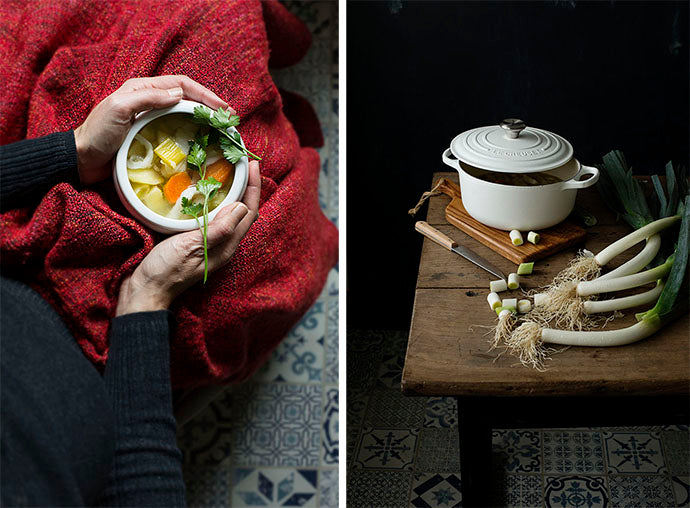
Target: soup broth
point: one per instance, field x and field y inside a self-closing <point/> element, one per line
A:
<point x="157" y="166"/>
<point x="519" y="179"/>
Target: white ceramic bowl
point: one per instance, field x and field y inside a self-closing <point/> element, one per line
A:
<point x="138" y="209"/>
<point x="524" y="208"/>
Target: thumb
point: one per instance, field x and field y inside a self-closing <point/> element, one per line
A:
<point x="224" y="224"/>
<point x="131" y="103"/>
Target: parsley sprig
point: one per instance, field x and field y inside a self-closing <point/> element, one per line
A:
<point x="221" y="120"/>
<point x="231" y="144"/>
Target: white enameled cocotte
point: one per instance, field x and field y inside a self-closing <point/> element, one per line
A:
<point x="138" y="209"/>
<point x="513" y="148"/>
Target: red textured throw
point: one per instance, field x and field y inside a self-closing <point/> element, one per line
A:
<point x="61" y="59"/>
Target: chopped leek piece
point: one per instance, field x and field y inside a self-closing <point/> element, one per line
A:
<point x="533" y="237"/>
<point x="516" y="237"/>
<point x="513" y="281"/>
<point x="170" y="152"/>
<point x="525" y="268"/>
<point x="496" y="286"/>
<point x="147" y="176"/>
<point x="509" y="302"/>
<point x="501" y="310"/>
<point x="540" y="299"/>
<point x="494" y="300"/>
<point x="524" y="306"/>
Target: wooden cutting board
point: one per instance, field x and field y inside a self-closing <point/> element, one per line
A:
<point x="553" y="239"/>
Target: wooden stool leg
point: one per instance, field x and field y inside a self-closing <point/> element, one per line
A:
<point x="475" y="453"/>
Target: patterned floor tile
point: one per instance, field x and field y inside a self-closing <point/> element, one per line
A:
<point x="390" y="369"/>
<point x="681" y="490"/>
<point x="364" y="350"/>
<point x="634" y="452"/>
<point x="386" y="449"/>
<point x="438" y="450"/>
<point x="274" y="487"/>
<point x="566" y="451"/>
<point x="575" y="492"/>
<point x="328" y="488"/>
<point x="390" y="408"/>
<point x="207" y="486"/>
<point x="207" y="439"/>
<point x="278" y="425"/>
<point x="357" y="401"/>
<point x="676" y="451"/>
<point x="372" y="489"/>
<point x="441" y="412"/>
<point x="330" y="445"/>
<point x="521" y="490"/>
<point x="633" y="491"/>
<point x="519" y="450"/>
<point x="353" y="435"/>
<point x="331" y="368"/>
<point x="431" y="490"/>
<point x="300" y="357"/>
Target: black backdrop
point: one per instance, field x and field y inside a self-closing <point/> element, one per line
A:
<point x="604" y="75"/>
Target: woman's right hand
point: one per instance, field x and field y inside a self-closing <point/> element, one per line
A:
<point x="177" y="263"/>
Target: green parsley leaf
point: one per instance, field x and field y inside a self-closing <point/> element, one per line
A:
<point x="208" y="187"/>
<point x="201" y="140"/>
<point x="231" y="151"/>
<point x="202" y="115"/>
<point x="197" y="155"/>
<point x="193" y="209"/>
<point x="222" y="120"/>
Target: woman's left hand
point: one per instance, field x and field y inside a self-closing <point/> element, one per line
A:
<point x="103" y="131"/>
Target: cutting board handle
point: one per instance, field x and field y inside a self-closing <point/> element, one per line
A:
<point x="449" y="188"/>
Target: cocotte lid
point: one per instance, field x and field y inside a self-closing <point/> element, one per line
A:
<point x="511" y="147"/>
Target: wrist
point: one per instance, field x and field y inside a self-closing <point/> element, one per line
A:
<point x="137" y="297"/>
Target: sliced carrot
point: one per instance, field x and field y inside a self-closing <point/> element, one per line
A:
<point x="174" y="187"/>
<point x="221" y="170"/>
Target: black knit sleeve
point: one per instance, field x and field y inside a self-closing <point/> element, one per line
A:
<point x="147" y="469"/>
<point x="30" y="167"/>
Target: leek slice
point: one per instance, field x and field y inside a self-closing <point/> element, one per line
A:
<point x="138" y="161"/>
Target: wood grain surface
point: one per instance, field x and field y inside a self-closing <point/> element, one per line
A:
<point x="447" y="352"/>
<point x="553" y="239"/>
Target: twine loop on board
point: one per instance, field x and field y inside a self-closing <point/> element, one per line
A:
<point x="428" y="194"/>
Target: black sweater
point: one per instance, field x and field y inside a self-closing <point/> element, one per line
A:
<point x="69" y="435"/>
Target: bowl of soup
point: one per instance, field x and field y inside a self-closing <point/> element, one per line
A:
<point x="517" y="177"/>
<point x="152" y="175"/>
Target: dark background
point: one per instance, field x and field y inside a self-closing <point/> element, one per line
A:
<point x="604" y="75"/>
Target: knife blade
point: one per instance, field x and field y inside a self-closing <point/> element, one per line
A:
<point x="443" y="240"/>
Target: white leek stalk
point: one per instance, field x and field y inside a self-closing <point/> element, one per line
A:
<point x="513" y="281"/>
<point x="533" y="237"/>
<point x="633" y="238"/>
<point x="642" y="259"/>
<point x="627" y="302"/>
<point x="510" y="302"/>
<point x="524" y="306"/>
<point x="596" y="286"/>
<point x="540" y="299"/>
<point x="602" y="338"/>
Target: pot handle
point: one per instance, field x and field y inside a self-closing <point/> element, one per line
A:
<point x="576" y="183"/>
<point x="450" y="159"/>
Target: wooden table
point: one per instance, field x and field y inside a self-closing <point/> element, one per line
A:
<point x="643" y="383"/>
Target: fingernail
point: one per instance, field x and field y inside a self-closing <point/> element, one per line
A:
<point x="240" y="211"/>
<point x="176" y="92"/>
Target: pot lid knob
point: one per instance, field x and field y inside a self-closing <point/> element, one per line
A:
<point x="513" y="127"/>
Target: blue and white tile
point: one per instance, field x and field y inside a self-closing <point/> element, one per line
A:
<point x="521" y="490"/>
<point x="441" y="412"/>
<point x="279" y="425"/>
<point x="207" y="486"/>
<point x="328" y="488"/>
<point x="575" y="492"/>
<point x="520" y="450"/>
<point x="367" y="489"/>
<point x="299" y="358"/>
<point x="386" y="449"/>
<point x="628" y="491"/>
<point x="432" y="490"/>
<point x="634" y="452"/>
<point x="390" y="408"/>
<point x="206" y="440"/>
<point x="331" y="366"/>
<point x="274" y="487"/>
<point x="438" y="450"/>
<point x="676" y="451"/>
<point x="681" y="490"/>
<point x="330" y="441"/>
<point x="567" y="451"/>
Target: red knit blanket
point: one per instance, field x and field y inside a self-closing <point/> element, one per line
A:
<point x="60" y="60"/>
